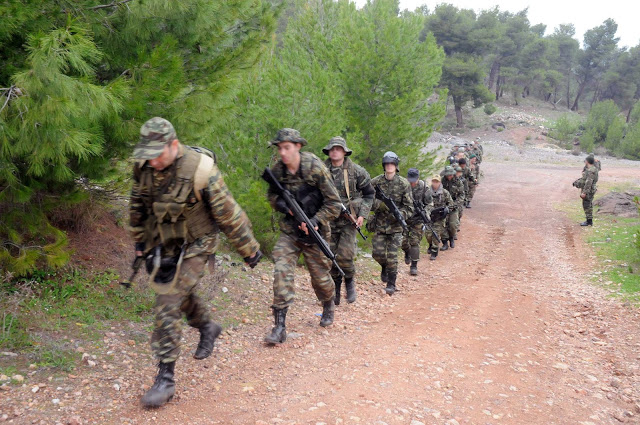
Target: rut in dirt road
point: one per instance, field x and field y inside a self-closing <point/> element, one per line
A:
<point x="504" y="328"/>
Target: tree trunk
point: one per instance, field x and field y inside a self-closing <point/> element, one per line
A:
<point x="595" y="95"/>
<point x="630" y="110"/>
<point x="495" y="71"/>
<point x="498" y="91"/>
<point x="458" y="108"/>
<point x="568" y="91"/>
<point x="580" y="91"/>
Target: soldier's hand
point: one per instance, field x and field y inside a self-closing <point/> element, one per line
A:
<point x="583" y="195"/>
<point x="253" y="260"/>
<point x="359" y="221"/>
<point x="303" y="226"/>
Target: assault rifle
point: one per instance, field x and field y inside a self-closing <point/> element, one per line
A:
<point x="300" y="216"/>
<point x="427" y="223"/>
<point x="137" y="263"/>
<point x="392" y="207"/>
<point x="345" y="212"/>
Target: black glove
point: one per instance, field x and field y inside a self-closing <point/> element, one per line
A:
<point x="253" y="261"/>
<point x="281" y="206"/>
<point x="140" y="246"/>
<point x="446" y="210"/>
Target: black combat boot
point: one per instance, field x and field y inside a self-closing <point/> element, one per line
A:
<point x="338" y="282"/>
<point x="445" y="245"/>
<point x="456" y="236"/>
<point x="328" y="308"/>
<point x="208" y="335"/>
<point x="163" y="388"/>
<point x="589" y="222"/>
<point x="434" y="255"/>
<point x="407" y="257"/>
<point x="413" y="270"/>
<point x="452" y="243"/>
<point x="351" y="289"/>
<point x="383" y="274"/>
<point x="278" y="334"/>
<point x="468" y="205"/>
<point x="391" y="284"/>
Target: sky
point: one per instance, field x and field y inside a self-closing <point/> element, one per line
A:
<point x="584" y="14"/>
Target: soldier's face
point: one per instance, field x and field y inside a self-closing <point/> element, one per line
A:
<point x="458" y="173"/>
<point x="413" y="184"/>
<point x="337" y="154"/>
<point x="450" y="177"/>
<point x="289" y="152"/>
<point x="435" y="184"/>
<point x="389" y="168"/>
<point x="167" y="156"/>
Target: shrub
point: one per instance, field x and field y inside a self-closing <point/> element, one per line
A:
<point x="490" y="108"/>
<point x="564" y="129"/>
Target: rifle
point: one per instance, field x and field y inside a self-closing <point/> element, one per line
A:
<point x="137" y="263"/>
<point x="392" y="207"/>
<point x="300" y="216"/>
<point x="345" y="212"/>
<point x="427" y="223"/>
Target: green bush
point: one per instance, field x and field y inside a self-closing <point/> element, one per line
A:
<point x="564" y="129"/>
<point x="490" y="108"/>
<point x="604" y="126"/>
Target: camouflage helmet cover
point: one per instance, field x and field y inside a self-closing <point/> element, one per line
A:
<point x="449" y="171"/>
<point x="154" y="135"/>
<point x="337" y="141"/>
<point x="288" y="135"/>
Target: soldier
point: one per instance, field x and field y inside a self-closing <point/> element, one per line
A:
<point x="475" y="173"/>
<point x="441" y="200"/>
<point x="455" y="188"/>
<point x="588" y="183"/>
<point x="354" y="187"/>
<point x="596" y="163"/>
<point x="415" y="226"/>
<point x="469" y="180"/>
<point x="463" y="181"/>
<point x="387" y="229"/>
<point x="306" y="177"/>
<point x="475" y="149"/>
<point x="179" y="204"/>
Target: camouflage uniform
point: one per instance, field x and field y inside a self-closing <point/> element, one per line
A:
<point x="589" y="187"/>
<point x="456" y="190"/>
<point x="412" y="237"/>
<point x="184" y="216"/>
<point x="441" y="198"/>
<point x="388" y="231"/>
<point x="470" y="179"/>
<point x="463" y="201"/>
<point x="313" y="188"/>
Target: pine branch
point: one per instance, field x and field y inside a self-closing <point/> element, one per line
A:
<point x="112" y="4"/>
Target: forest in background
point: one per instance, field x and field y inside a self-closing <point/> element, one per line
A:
<point x="78" y="78"/>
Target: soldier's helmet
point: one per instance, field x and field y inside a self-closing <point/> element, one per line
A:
<point x="461" y="149"/>
<point x="590" y="158"/>
<point x="458" y="169"/>
<point x="154" y="135"/>
<point x="288" y="135"/>
<point x="390" y="158"/>
<point x="337" y="141"/>
<point x="413" y="175"/>
<point x="449" y="171"/>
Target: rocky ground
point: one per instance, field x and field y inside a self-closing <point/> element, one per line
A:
<point x="504" y="329"/>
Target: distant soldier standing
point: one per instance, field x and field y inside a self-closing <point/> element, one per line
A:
<point x="463" y="202"/>
<point x="356" y="193"/>
<point x="588" y="183"/>
<point x="388" y="230"/>
<point x="179" y="204"/>
<point x="470" y="179"/>
<point x="456" y="189"/>
<point x="412" y="237"/>
<point x="305" y="176"/>
<point x="442" y="204"/>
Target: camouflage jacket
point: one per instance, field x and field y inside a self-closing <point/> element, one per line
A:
<point x="397" y="189"/>
<point x="469" y="176"/>
<point x="360" y="190"/>
<point x="422" y="195"/>
<point x="475" y="171"/>
<point x="441" y="197"/>
<point x="313" y="188"/>
<point x="590" y="179"/>
<point x="455" y="187"/>
<point x="223" y="211"/>
<point x="476" y="150"/>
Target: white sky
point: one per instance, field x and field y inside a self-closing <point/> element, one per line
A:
<point x="584" y="14"/>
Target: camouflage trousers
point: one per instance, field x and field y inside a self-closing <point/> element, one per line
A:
<point x="453" y="223"/>
<point x="385" y="250"/>
<point x="343" y="245"/>
<point x="411" y="240"/>
<point x="472" y="191"/>
<point x="285" y="255"/>
<point x="172" y="304"/>
<point x="587" y="205"/>
<point x="440" y="229"/>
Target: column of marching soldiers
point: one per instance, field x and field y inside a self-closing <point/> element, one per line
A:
<point x="180" y="204"/>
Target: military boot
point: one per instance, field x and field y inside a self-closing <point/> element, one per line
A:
<point x="383" y="274"/>
<point x="413" y="270"/>
<point x="163" y="388"/>
<point x="434" y="255"/>
<point x="452" y="243"/>
<point x="407" y="257"/>
<point x="445" y="245"/>
<point x="328" y="308"/>
<point x="351" y="289"/>
<point x="468" y="205"/>
<point x="589" y="222"/>
<point x="208" y="335"/>
<point x="338" y="282"/>
<point x="391" y="284"/>
<point x="278" y="334"/>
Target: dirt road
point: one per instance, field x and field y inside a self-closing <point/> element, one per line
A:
<point x="504" y="329"/>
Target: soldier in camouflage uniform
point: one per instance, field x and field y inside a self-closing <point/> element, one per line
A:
<point x="475" y="173"/>
<point x="469" y="178"/>
<point x="441" y="200"/>
<point x="179" y="204"/>
<point x="305" y="176"/>
<point x="388" y="231"/>
<point x="596" y="163"/>
<point x="463" y="182"/>
<point x="456" y="189"/>
<point x="356" y="193"/>
<point x="413" y="235"/>
<point x="588" y="185"/>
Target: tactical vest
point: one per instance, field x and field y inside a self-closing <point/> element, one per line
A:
<point x="354" y="195"/>
<point x="177" y="211"/>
